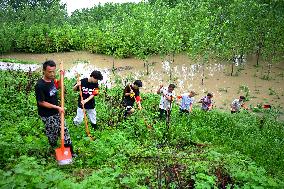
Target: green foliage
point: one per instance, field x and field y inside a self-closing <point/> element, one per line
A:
<point x="244" y="90"/>
<point x="13" y="60"/>
<point x="202" y="150"/>
<point x="29" y="173"/>
<point x="205" y="28"/>
<point x="6" y="33"/>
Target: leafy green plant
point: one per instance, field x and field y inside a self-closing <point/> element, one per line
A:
<point x="201" y="149"/>
<point x="245" y="90"/>
<point x="12" y="60"/>
<point x="129" y="29"/>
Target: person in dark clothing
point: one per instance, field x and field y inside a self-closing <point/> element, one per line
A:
<point x="131" y="94"/>
<point x="46" y="90"/>
<point x="90" y="89"/>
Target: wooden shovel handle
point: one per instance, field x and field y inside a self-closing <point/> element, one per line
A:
<point x="84" y="110"/>
<point x="62" y="103"/>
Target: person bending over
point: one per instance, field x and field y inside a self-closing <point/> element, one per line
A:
<point x="131" y="94"/>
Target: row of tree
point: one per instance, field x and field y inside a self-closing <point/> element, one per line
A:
<point x="206" y="28"/>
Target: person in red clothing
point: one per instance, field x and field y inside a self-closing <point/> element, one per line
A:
<point x="90" y="89"/>
<point x="131" y="94"/>
<point x="46" y="90"/>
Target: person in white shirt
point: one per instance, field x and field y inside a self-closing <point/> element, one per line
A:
<point x="167" y="97"/>
<point x="187" y="101"/>
<point x="237" y="104"/>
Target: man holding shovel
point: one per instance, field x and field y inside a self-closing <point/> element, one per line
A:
<point x="49" y="110"/>
<point x="90" y="88"/>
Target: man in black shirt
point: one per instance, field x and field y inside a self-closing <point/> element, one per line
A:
<point x="130" y="95"/>
<point x="48" y="109"/>
<point x="90" y="88"/>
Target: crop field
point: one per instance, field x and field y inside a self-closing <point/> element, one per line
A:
<point x="214" y="149"/>
<point x="201" y="150"/>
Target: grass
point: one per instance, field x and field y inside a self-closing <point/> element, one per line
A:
<point x="13" y="60"/>
<point x="223" y="90"/>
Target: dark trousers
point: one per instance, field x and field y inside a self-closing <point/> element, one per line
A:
<point x="127" y="109"/>
<point x="183" y="111"/>
<point x="163" y="113"/>
<point x="95" y="127"/>
<point x="53" y="130"/>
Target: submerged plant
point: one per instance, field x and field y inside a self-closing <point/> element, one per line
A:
<point x="244" y="89"/>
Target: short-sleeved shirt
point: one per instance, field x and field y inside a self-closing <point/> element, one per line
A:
<point x="130" y="99"/>
<point x="46" y="91"/>
<point x="186" y="101"/>
<point x="87" y="90"/>
<point x="236" y="104"/>
<point x="206" y="103"/>
<point x="164" y="102"/>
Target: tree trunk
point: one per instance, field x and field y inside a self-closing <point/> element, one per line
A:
<point x="147" y="68"/>
<point x="113" y="68"/>
<point x="269" y="71"/>
<point x="258" y="54"/>
<point x="202" y="80"/>
<point x="232" y="70"/>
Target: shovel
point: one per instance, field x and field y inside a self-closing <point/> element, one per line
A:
<point x="63" y="154"/>
<point x="84" y="110"/>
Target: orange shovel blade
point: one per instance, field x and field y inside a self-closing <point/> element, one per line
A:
<point x="63" y="155"/>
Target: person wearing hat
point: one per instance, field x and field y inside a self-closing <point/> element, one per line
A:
<point x="237" y="104"/>
<point x="131" y="94"/>
<point x="90" y="89"/>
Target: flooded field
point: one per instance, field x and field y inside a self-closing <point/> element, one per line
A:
<point x="262" y="84"/>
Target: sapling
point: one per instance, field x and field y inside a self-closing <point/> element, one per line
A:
<point x="203" y="76"/>
<point x="113" y="67"/>
<point x="269" y="70"/>
<point x="232" y="70"/>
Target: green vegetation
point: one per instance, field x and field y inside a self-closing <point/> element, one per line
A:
<point x="205" y="28"/>
<point x="244" y="89"/>
<point x="202" y="150"/>
<point x="13" y="60"/>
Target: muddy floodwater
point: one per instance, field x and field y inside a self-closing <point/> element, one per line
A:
<point x="263" y="84"/>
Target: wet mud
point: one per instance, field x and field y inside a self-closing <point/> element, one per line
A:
<point x="262" y="84"/>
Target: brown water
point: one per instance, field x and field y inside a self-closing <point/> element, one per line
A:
<point x="187" y="75"/>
